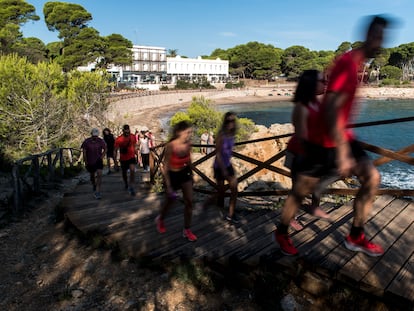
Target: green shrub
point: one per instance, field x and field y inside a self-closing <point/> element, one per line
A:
<point x="205" y="117"/>
<point x="387" y="82"/>
<point x="232" y="85"/>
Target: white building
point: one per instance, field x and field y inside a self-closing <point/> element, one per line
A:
<point x="149" y="64"/>
<point x="215" y="70"/>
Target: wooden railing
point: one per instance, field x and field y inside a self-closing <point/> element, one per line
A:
<point x="28" y="173"/>
<point x="387" y="155"/>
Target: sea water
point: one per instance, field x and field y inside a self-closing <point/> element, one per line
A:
<point x="394" y="174"/>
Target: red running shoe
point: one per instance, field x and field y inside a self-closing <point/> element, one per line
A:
<point x="160" y="224"/>
<point x="361" y="244"/>
<point x="285" y="243"/>
<point x="189" y="235"/>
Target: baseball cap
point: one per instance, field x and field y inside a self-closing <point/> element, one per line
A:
<point x="95" y="132"/>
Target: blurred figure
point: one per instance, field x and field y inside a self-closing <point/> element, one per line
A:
<point x="223" y="169"/>
<point x="333" y="148"/>
<point x="94" y="149"/>
<point x="126" y="144"/>
<point x="144" y="149"/>
<point x="304" y="116"/>
<point x="210" y="141"/>
<point x="178" y="175"/>
<point x="110" y="142"/>
<point x="151" y="138"/>
<point x="203" y="141"/>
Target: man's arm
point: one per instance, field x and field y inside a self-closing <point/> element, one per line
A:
<point x="336" y="131"/>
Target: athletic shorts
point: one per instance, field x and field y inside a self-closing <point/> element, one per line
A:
<point x="319" y="161"/>
<point x="180" y="177"/>
<point x="218" y="174"/>
<point x="125" y="164"/>
<point x="92" y="168"/>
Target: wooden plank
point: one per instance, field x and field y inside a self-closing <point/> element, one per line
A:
<point x="311" y="246"/>
<point x="217" y="248"/>
<point x="205" y="231"/>
<point x="258" y="240"/>
<point x="402" y="286"/>
<point x="337" y="255"/>
<point x="268" y="247"/>
<point x="391" y="262"/>
<point x="391" y="220"/>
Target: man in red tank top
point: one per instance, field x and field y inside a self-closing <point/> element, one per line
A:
<point x="334" y="149"/>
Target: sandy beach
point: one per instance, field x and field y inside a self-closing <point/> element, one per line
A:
<point x="147" y="110"/>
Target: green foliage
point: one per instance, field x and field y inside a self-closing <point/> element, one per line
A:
<point x="391" y="72"/>
<point x="83" y="44"/>
<point x="33" y="112"/>
<point x="197" y="275"/>
<point x="245" y="129"/>
<point x="201" y="114"/>
<point x="13" y="14"/>
<point x="117" y="50"/>
<point x="205" y="117"/>
<point x="32" y="48"/>
<point x="387" y="82"/>
<point x="87" y="93"/>
<point x="252" y="60"/>
<point x="233" y="85"/>
<point x="66" y="18"/>
<point x="39" y="116"/>
<point x="193" y="85"/>
<point x="184" y="85"/>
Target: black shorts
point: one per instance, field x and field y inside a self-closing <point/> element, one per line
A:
<point x="180" y="177"/>
<point x="218" y="173"/>
<point x="319" y="161"/>
<point x="92" y="168"/>
<point x="110" y="154"/>
<point x="125" y="164"/>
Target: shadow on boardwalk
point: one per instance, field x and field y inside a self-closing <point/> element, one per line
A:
<point x="128" y="222"/>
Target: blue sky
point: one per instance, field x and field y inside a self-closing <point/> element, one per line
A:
<point x="195" y="27"/>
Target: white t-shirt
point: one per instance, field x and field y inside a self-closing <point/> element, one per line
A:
<point x="144" y="145"/>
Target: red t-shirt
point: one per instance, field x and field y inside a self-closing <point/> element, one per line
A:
<point x="343" y="79"/>
<point x="294" y="145"/>
<point x="127" y="142"/>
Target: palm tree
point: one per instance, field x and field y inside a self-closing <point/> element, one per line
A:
<point x="172" y="53"/>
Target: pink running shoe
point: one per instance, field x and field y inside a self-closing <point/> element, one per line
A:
<point x="361" y="244"/>
<point x="189" y="235"/>
<point x="285" y="243"/>
<point x="160" y="224"/>
<point x="295" y="224"/>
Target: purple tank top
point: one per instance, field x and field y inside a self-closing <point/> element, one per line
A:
<point x="226" y="150"/>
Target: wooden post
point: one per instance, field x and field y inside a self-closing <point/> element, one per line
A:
<point x="36" y="175"/>
<point x="17" y="192"/>
<point x="51" y="170"/>
<point x="61" y="162"/>
<point x="151" y="164"/>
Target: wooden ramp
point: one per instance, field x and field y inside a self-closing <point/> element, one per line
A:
<point x="129" y="223"/>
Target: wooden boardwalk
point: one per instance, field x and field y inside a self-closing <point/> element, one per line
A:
<point x="129" y="223"/>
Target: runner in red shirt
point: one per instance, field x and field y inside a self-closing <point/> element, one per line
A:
<point x="332" y="148"/>
<point x="126" y="144"/>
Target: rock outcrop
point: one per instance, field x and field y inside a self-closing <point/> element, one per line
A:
<point x="264" y="179"/>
